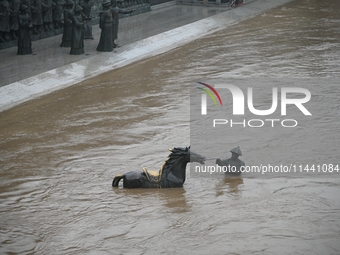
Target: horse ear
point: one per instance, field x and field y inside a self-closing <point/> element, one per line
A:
<point x="189" y="147"/>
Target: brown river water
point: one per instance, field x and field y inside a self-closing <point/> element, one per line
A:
<point x="59" y="153"/>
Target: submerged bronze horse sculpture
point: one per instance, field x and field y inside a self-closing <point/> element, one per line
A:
<point x="171" y="175"/>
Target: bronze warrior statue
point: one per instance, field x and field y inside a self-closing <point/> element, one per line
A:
<point x="24" y="36"/>
<point x="87" y="5"/>
<point x="4" y="21"/>
<point x="105" y="24"/>
<point x="233" y="164"/>
<point x="77" y="39"/>
<point x="115" y="10"/>
<point x="67" y="33"/>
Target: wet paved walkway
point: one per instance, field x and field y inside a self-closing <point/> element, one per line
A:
<point x="47" y="54"/>
<point x="51" y="67"/>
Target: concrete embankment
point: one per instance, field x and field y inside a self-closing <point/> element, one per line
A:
<point x="25" y="86"/>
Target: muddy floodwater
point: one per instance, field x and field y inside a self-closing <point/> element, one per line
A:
<point x="59" y="153"/>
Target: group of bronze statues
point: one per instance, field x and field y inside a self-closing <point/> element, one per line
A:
<point x="76" y="28"/>
<point x="45" y="15"/>
<point x="20" y="19"/>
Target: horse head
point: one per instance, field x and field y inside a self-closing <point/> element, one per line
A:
<point x="176" y="164"/>
<point x="195" y="157"/>
<point x="185" y="154"/>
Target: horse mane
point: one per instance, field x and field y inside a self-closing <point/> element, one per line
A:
<point x="176" y="152"/>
